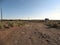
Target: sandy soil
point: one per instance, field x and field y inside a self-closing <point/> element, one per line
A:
<point x="30" y="34"/>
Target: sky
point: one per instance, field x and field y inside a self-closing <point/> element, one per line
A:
<point x="30" y="9"/>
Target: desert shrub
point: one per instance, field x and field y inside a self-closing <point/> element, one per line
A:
<point x="53" y="24"/>
<point x="58" y="26"/>
<point x="10" y="24"/>
<point x="20" y="23"/>
<point x="6" y="26"/>
<point x="0" y="26"/>
<point x="58" y="22"/>
<point x="48" y="23"/>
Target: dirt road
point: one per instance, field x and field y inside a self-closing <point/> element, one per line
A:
<point x="30" y="34"/>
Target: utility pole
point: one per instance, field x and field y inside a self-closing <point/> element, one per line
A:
<point x="1" y="14"/>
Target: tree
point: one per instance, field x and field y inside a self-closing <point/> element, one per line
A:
<point x="46" y="20"/>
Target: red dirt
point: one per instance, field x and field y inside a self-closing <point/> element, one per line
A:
<point x="30" y="34"/>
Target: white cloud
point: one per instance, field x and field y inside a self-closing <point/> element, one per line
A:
<point x="55" y="14"/>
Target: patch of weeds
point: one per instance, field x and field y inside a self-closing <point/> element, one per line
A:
<point x="1" y="26"/>
<point x="10" y="24"/>
<point x="6" y="26"/>
<point x="52" y="24"/>
<point x="58" y="22"/>
<point x="20" y="23"/>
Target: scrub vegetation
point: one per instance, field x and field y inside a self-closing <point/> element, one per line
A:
<point x="30" y="32"/>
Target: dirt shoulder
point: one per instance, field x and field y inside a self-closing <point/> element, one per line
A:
<point x="30" y="34"/>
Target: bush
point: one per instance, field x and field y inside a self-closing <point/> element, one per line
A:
<point x="10" y="24"/>
<point x="53" y="24"/>
<point x="6" y="26"/>
<point x="0" y="26"/>
<point x="20" y="23"/>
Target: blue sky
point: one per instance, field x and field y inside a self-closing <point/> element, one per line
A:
<point x="30" y="9"/>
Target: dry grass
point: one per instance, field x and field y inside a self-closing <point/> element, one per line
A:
<point x="33" y="33"/>
<point x="9" y="24"/>
<point x="53" y="24"/>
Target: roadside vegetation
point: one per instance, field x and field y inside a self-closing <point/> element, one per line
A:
<point x="53" y="24"/>
<point x="9" y="24"/>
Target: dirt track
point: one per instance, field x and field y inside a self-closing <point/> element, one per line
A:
<point x="30" y="34"/>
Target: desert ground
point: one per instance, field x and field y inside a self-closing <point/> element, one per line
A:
<point x="30" y="33"/>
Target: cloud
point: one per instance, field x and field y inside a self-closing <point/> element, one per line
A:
<point x="55" y="14"/>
